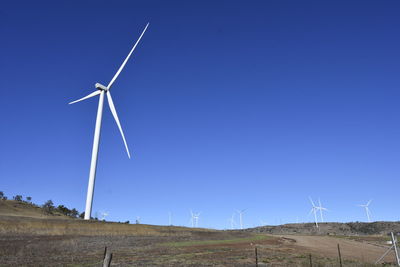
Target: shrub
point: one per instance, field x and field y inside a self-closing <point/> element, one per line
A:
<point x="17" y="198"/>
<point x="48" y="206"/>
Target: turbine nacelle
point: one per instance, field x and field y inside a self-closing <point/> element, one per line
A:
<point x="101" y="87"/>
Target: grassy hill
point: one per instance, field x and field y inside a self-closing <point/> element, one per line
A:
<point x="25" y="209"/>
<point x="329" y="228"/>
<point x="24" y="218"/>
<point x="31" y="237"/>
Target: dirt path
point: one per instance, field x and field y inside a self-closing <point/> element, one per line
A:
<point x="350" y="249"/>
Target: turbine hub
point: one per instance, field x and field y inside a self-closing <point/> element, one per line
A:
<point x="101" y="87"/>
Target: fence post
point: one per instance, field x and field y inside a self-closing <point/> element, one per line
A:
<point x="340" y="256"/>
<point x="107" y="258"/>
<point x="310" y="261"/>
<point x="256" y="257"/>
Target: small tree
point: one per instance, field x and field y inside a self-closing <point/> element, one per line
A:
<point x="82" y="215"/>
<point x="18" y="198"/>
<point x="1" y="194"/>
<point x="29" y="199"/>
<point x="74" y="213"/>
<point x="48" y="206"/>
<point x="64" y="210"/>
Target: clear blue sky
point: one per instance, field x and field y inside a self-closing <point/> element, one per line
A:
<point x="225" y="105"/>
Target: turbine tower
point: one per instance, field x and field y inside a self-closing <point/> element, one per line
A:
<point x="194" y="218"/>
<point x="320" y="208"/>
<point x="314" y="210"/>
<point x="103" y="90"/>
<point x="367" y="211"/>
<point x="232" y="220"/>
<point x="241" y="217"/>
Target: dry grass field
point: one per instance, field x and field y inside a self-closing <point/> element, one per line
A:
<point x="43" y="240"/>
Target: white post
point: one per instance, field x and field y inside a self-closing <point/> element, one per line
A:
<point x="93" y="164"/>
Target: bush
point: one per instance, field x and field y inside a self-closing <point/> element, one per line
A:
<point x="74" y="213"/>
<point x="17" y="198"/>
<point x="48" y="207"/>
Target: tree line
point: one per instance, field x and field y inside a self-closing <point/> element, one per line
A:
<point x="48" y="207"/>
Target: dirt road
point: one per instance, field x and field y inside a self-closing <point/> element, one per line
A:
<point x="350" y="249"/>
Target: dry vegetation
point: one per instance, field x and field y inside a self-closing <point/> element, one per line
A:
<point x="57" y="240"/>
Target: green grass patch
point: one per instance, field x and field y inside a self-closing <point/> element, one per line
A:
<point x="216" y="242"/>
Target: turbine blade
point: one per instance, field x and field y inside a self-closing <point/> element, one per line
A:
<point x="312" y="203"/>
<point x="311" y="211"/>
<point x="369" y="202"/>
<point x="126" y="59"/>
<point x="86" y="97"/>
<point x="114" y="113"/>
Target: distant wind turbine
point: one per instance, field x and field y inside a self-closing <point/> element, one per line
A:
<point x="314" y="210"/>
<point x="232" y="221"/>
<point x="241" y="217"/>
<point x="103" y="214"/>
<point x="103" y="90"/>
<point x="367" y="211"/>
<point x="320" y="208"/>
<point x="194" y="218"/>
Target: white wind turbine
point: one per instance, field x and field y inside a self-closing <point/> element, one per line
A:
<point x="194" y="218"/>
<point x="169" y="218"/>
<point x="367" y="211"/>
<point x="103" y="90"/>
<point x="241" y="217"/>
<point x="314" y="210"/>
<point x="232" y="220"/>
<point x="103" y="214"/>
<point x="321" y="209"/>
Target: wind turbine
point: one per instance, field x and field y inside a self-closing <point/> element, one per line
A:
<point x="367" y="211"/>
<point x="103" y="90"/>
<point x="103" y="214"/>
<point x="170" y="218"/>
<point x="232" y="220"/>
<point x="241" y="217"/>
<point x="314" y="210"/>
<point x="321" y="209"/>
<point x="194" y="218"/>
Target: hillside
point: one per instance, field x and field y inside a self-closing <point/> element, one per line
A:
<point x="28" y="237"/>
<point x="347" y="229"/>
<point x="19" y="208"/>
